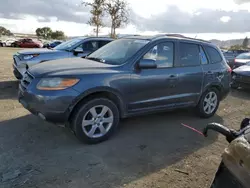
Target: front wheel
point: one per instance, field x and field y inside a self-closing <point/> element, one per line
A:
<point x="95" y="121"/>
<point x="208" y="103"/>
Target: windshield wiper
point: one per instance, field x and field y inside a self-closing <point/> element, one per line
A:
<point x="96" y="59"/>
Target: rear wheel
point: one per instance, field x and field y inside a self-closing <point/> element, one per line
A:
<point x="209" y="103"/>
<point x="95" y="121"/>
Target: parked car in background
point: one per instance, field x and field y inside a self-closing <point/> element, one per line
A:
<point x="231" y="54"/>
<point x="29" y="43"/>
<point x="1" y="43"/>
<point x="6" y="42"/>
<point x="241" y="76"/>
<point x="77" y="47"/>
<point x="52" y="44"/>
<point x="241" y="60"/>
<point x="127" y="77"/>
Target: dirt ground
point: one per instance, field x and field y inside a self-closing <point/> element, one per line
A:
<point x="148" y="151"/>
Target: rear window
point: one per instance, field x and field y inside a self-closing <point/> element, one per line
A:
<point x="213" y="54"/>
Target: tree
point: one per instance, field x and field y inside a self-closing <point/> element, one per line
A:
<point x="97" y="12"/>
<point x="245" y="43"/>
<point x="59" y="35"/>
<point x="235" y="47"/>
<point x="44" y="32"/>
<point x="118" y="12"/>
<point x="4" y="31"/>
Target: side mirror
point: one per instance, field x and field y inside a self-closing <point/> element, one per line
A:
<point x="147" y="64"/>
<point x="77" y="51"/>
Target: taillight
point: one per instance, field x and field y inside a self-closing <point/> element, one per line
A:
<point x="229" y="69"/>
<point x="234" y="60"/>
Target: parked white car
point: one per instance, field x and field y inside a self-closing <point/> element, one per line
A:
<point x="7" y="42"/>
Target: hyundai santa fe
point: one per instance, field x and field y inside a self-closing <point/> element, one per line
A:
<point x="127" y="77"/>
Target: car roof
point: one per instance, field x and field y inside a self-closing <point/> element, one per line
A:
<point x="169" y="36"/>
<point x="94" y="38"/>
<point x="245" y="53"/>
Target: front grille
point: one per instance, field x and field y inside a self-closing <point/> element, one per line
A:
<point x="26" y="80"/>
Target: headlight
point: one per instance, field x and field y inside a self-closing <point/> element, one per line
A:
<point x="56" y="83"/>
<point x="27" y="57"/>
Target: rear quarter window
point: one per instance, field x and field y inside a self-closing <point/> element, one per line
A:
<point x="213" y="54"/>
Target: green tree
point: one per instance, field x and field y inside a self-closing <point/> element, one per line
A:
<point x="245" y="43"/>
<point x="118" y="12"/>
<point x="235" y="47"/>
<point x="59" y="35"/>
<point x="4" y="31"/>
<point x="97" y="13"/>
<point x="44" y="32"/>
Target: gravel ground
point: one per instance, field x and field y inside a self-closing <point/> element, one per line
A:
<point x="148" y="151"/>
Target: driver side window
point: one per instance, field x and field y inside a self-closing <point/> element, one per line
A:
<point x="162" y="53"/>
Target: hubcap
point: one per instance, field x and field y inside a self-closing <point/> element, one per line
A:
<point x="210" y="102"/>
<point x="97" y="121"/>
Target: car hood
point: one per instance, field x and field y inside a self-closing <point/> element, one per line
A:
<point x="242" y="60"/>
<point x="38" y="51"/>
<point x="243" y="70"/>
<point x="69" y="66"/>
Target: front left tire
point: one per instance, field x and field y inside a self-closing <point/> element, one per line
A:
<point x="95" y="121"/>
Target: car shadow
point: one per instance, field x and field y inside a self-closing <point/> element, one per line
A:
<point x="143" y="145"/>
<point x="8" y="89"/>
<point x="241" y="93"/>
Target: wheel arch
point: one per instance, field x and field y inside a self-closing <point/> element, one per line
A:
<point x="216" y="86"/>
<point x="106" y="92"/>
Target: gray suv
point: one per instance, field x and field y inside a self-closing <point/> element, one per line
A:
<point x="127" y="77"/>
<point x="76" y="47"/>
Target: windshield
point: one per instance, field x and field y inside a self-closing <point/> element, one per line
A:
<point x="68" y="44"/>
<point x="243" y="56"/>
<point x="118" y="51"/>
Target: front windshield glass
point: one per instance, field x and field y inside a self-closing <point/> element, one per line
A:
<point x="243" y="56"/>
<point x="118" y="51"/>
<point x="68" y="44"/>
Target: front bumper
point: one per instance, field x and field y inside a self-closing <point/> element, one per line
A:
<point x="54" y="108"/>
<point x="241" y="81"/>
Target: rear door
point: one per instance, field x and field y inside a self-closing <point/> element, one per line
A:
<point x="190" y="74"/>
<point x="215" y="70"/>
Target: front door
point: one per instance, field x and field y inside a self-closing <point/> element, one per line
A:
<point x="154" y="88"/>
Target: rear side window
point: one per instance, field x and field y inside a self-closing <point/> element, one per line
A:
<point x="203" y="56"/>
<point x="189" y="55"/>
<point x="213" y="54"/>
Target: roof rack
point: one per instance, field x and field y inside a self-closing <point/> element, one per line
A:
<point x="129" y="36"/>
<point x="181" y="36"/>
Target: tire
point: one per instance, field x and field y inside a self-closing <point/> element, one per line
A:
<point x="234" y="86"/>
<point x="208" y="112"/>
<point x="83" y="133"/>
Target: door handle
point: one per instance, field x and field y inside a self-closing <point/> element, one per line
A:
<point x="172" y="76"/>
<point x="209" y="72"/>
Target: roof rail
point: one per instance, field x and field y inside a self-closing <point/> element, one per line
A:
<point x="181" y="36"/>
<point x="128" y="36"/>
